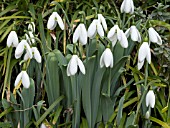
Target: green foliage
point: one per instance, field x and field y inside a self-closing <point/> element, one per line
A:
<point x="103" y="97"/>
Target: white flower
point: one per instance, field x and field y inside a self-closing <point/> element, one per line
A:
<point x="80" y="34"/>
<point x="106" y="58"/>
<point x="31" y="27"/>
<point x="12" y="39"/>
<point x="133" y="33"/>
<point x="127" y="6"/>
<point x="154" y="36"/>
<point x="24" y="78"/>
<point x="116" y="34"/>
<point x="94" y="28"/>
<point x="144" y="52"/>
<point x="102" y="21"/>
<point x="30" y="37"/>
<point x="53" y="20"/>
<point x="73" y="64"/>
<point x="150" y="99"/>
<point x="43" y="126"/>
<point x="35" y="53"/>
<point x="147" y="115"/>
<point x="20" y="49"/>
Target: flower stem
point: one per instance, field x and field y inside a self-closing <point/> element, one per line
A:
<point x="7" y="72"/>
<point x="109" y="82"/>
<point x="143" y="95"/>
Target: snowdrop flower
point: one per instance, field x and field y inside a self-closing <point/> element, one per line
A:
<point x="12" y="39"/>
<point x="102" y="21"/>
<point x="94" y="28"/>
<point x="80" y="34"/>
<point x="144" y="52"/>
<point x="73" y="64"/>
<point x="30" y="37"/>
<point x="106" y="58"/>
<point x="31" y="27"/>
<point x="24" y="78"/>
<point x="35" y="53"/>
<point x="133" y="33"/>
<point x="20" y="49"/>
<point x="154" y="36"/>
<point x="150" y="99"/>
<point x="116" y="34"/>
<point x="53" y="20"/>
<point x="147" y="115"/>
<point x="127" y="6"/>
<point x="43" y="126"/>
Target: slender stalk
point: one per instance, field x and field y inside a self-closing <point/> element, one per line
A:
<point x="143" y="95"/>
<point x="7" y="72"/>
<point x="109" y="82"/>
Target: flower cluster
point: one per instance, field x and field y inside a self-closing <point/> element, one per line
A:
<point x="24" y="47"/>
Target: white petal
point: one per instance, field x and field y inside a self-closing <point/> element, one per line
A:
<point x="26" y="56"/>
<point x="108" y="58"/>
<point x="43" y="126"/>
<point x="127" y="33"/>
<point x="132" y="7"/>
<point x="17" y="80"/>
<point x="27" y="38"/>
<point x="134" y="33"/>
<point x="81" y="65"/>
<point x="140" y="64"/>
<point x="12" y="39"/>
<point x="148" y="54"/>
<point x="72" y="69"/>
<point x="152" y="35"/>
<point x="122" y="39"/>
<point x="20" y="49"/>
<point x="32" y="37"/>
<point x="25" y="79"/>
<point x="36" y="54"/>
<point x="100" y="30"/>
<point x="150" y="99"/>
<point x="92" y="29"/>
<point x="31" y="27"/>
<point x="51" y="24"/>
<point x="103" y="21"/>
<point x="68" y="70"/>
<point x="142" y="52"/>
<point x="83" y="34"/>
<point x="76" y="34"/>
<point x="101" y="60"/>
<point x="159" y="42"/>
<point x="28" y="50"/>
<point x="112" y="31"/>
<point x="59" y="21"/>
<point x="122" y="6"/>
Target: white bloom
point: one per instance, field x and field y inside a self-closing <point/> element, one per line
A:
<point x="150" y="99"/>
<point x="24" y="78"/>
<point x="94" y="28"/>
<point x="12" y="39"/>
<point x="80" y="34"/>
<point x="154" y="36"/>
<point x="20" y="49"/>
<point x="53" y="20"/>
<point x="147" y="115"/>
<point x="102" y="21"/>
<point x="31" y="27"/>
<point x="106" y="58"/>
<point x="43" y="126"/>
<point x="30" y="37"/>
<point x="127" y="6"/>
<point x="35" y="53"/>
<point x="144" y="52"/>
<point x="116" y="34"/>
<point x="73" y="64"/>
<point x="133" y="33"/>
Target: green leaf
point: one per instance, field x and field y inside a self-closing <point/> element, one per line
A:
<point x="49" y="110"/>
